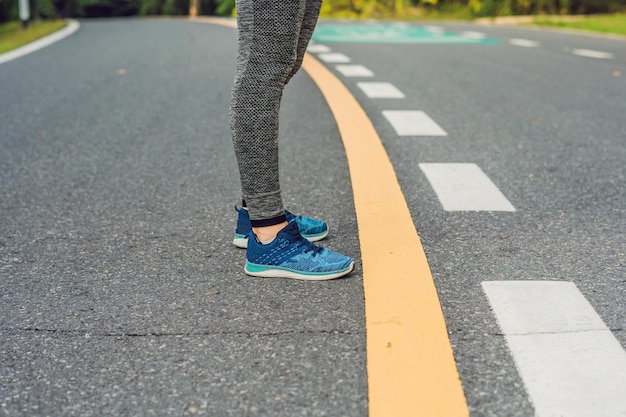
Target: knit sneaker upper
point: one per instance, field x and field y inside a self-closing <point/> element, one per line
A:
<point x="291" y="251"/>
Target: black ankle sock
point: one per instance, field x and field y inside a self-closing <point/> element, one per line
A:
<point x="269" y="222"/>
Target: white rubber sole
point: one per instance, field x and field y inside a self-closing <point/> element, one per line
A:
<point x="284" y="273"/>
<point x="242" y="242"/>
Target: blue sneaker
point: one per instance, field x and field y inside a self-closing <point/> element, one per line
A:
<point x="310" y="229"/>
<point x="292" y="256"/>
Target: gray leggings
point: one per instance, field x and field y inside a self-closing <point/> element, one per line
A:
<point x="273" y="36"/>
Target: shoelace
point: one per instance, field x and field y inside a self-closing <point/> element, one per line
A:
<point x="309" y="247"/>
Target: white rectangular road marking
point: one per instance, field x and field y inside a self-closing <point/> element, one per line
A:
<point x="570" y="361"/>
<point x="380" y="90"/>
<point x="524" y="42"/>
<point x="413" y="123"/>
<point x="473" y="35"/>
<point x="593" y="54"/>
<point x="317" y="48"/>
<point x="465" y="187"/>
<point x="334" y="58"/>
<point x="354" y="71"/>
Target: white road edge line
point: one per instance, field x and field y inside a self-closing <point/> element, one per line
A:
<point x="593" y="54"/>
<point x="571" y="363"/>
<point x="413" y="123"/>
<point x="527" y="43"/>
<point x="464" y="187"/>
<point x="380" y="90"/>
<point x="72" y="26"/>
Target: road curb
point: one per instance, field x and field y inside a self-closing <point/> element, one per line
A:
<point x="71" y="27"/>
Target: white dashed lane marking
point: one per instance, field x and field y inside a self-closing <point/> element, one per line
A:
<point x="354" y="71"/>
<point x="413" y="123"/>
<point x="334" y="58"/>
<point x="464" y="187"/>
<point x="317" y="48"/>
<point x="593" y="54"/>
<point x="380" y="90"/>
<point x="524" y="42"/>
<point x="571" y="363"/>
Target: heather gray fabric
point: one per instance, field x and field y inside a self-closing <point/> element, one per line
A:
<point x="273" y="36"/>
<point x="311" y="13"/>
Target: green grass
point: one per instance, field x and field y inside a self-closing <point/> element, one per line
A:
<point x="380" y="11"/>
<point x="13" y="36"/>
<point x="615" y="23"/>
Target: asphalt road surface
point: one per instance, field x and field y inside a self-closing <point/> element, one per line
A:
<point x="121" y="293"/>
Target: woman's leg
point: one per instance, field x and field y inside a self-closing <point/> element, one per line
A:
<point x="268" y="32"/>
<point x="272" y="42"/>
<point x="311" y="14"/>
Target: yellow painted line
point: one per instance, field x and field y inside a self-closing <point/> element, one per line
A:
<point x="410" y="364"/>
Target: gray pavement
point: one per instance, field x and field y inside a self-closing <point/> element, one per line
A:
<point x="121" y="293"/>
<point x="117" y="220"/>
<point x="549" y="129"/>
